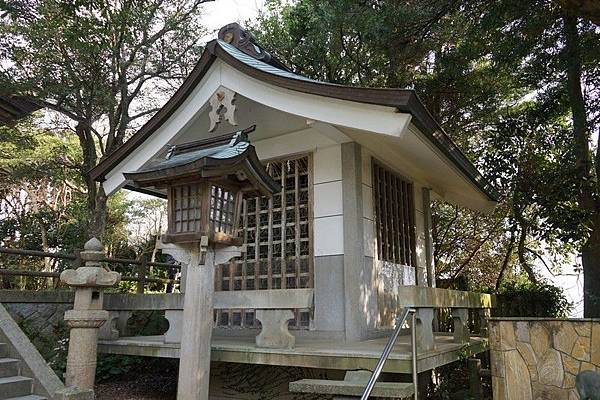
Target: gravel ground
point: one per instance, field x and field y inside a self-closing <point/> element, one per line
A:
<point x="141" y="387"/>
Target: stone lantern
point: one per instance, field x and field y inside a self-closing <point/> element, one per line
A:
<point x="87" y="315"/>
<point x="205" y="183"/>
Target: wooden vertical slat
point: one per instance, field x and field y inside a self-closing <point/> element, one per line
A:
<point x="407" y="224"/>
<point x="384" y="215"/>
<point x="257" y="244"/>
<point x="297" y="221"/>
<point x="396" y="222"/>
<point x="392" y="215"/>
<point x="283" y="226"/>
<point x="401" y="206"/>
<point x="378" y="215"/>
<point x="310" y="215"/>
<point x="245" y="254"/>
<point x="411" y="212"/>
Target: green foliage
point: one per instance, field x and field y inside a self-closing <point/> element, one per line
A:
<point x="103" y="66"/>
<point x="110" y="366"/>
<point x="494" y="74"/>
<point x="118" y="366"/>
<point x="526" y="299"/>
<point x="51" y="345"/>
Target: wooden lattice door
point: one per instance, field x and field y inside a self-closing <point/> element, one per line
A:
<point x="278" y="235"/>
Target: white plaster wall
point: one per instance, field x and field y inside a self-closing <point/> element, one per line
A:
<point x="328" y="210"/>
<point x="370" y="235"/>
<point x="328" y="228"/>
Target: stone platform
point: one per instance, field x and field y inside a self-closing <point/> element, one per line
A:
<point x="310" y="353"/>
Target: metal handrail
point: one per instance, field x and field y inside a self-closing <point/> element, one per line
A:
<point x="388" y="349"/>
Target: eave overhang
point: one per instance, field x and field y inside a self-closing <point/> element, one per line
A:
<point x="13" y="108"/>
<point x="404" y="100"/>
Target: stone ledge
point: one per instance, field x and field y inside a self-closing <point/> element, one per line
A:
<point x="544" y="319"/>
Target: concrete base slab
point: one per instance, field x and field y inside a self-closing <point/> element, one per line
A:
<point x="348" y="388"/>
<point x="310" y="353"/>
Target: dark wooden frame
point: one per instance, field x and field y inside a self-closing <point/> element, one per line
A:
<point x="237" y="274"/>
<point x="394" y="215"/>
<point x="206" y="224"/>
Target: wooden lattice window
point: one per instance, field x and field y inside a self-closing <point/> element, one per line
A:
<point x="278" y="235"/>
<point x="222" y="210"/>
<point x="395" y="220"/>
<point x="186" y="209"/>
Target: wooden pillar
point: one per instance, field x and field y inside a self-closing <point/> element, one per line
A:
<point x="199" y="261"/>
<point x="194" y="360"/>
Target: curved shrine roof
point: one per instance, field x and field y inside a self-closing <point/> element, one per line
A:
<point x="253" y="61"/>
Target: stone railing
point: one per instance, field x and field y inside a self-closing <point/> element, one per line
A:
<point x="273" y="310"/>
<point x="540" y="358"/>
<point x="426" y="299"/>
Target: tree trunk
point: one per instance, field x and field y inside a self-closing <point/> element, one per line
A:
<point x="590" y="256"/>
<point x="96" y="200"/>
<point x="590" y="253"/>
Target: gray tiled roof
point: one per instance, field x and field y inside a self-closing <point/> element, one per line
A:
<point x="234" y="148"/>
<point x="262" y="66"/>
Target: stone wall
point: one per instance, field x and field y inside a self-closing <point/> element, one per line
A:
<point x="43" y="319"/>
<point x="538" y="359"/>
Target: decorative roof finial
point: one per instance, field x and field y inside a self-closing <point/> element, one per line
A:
<point x="245" y="41"/>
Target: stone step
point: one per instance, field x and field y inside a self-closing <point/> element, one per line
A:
<point x="349" y="388"/>
<point x="28" y="397"/>
<point x="9" y="367"/>
<point x="15" y="386"/>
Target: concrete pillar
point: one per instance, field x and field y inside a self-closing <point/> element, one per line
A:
<point x="197" y="324"/>
<point x="460" y="316"/>
<point x="425" y="337"/>
<point x="357" y="279"/>
<point x="87" y="315"/>
<point x="484" y="316"/>
<point x="428" y="237"/>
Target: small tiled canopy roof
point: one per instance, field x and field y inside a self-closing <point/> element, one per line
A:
<point x="228" y="155"/>
<point x="13" y="108"/>
<point x="238" y="49"/>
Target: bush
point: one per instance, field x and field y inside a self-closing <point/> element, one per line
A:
<point x="526" y="299"/>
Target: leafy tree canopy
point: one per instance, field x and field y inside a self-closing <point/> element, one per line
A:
<point x="497" y="75"/>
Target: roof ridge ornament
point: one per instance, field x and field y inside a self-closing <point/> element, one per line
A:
<point x="221" y="103"/>
<point x="245" y="41"/>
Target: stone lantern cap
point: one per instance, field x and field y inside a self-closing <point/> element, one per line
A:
<point x="92" y="274"/>
<point x="90" y="277"/>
